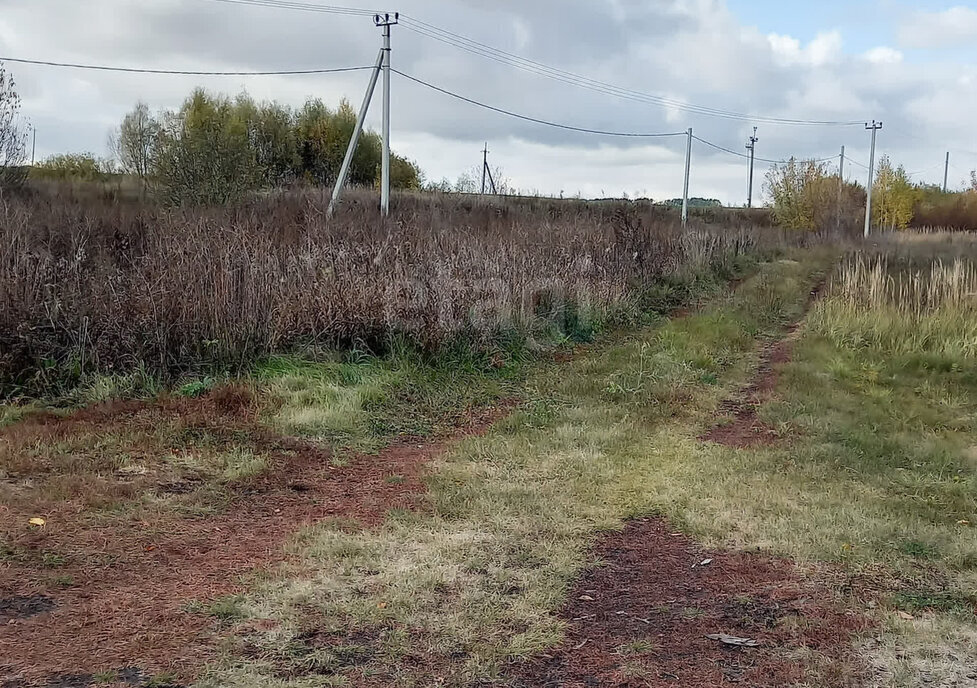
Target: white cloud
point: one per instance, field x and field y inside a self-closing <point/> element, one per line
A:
<point x="824" y="49"/>
<point x="952" y="27"/>
<point x="884" y="55"/>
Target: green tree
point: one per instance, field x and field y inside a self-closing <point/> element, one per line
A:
<point x="203" y="153"/>
<point x="214" y="150"/>
<point x="405" y="174"/>
<point x="323" y="137"/>
<point x="134" y="143"/>
<point x="895" y="196"/>
<point x="13" y="135"/>
<point x="801" y="194"/>
<point x="272" y="137"/>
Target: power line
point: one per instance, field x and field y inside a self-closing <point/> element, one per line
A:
<point x="925" y="169"/>
<point x="303" y="6"/>
<point x="179" y="72"/>
<point x="535" y="120"/>
<point x="744" y="155"/>
<point x="474" y="47"/>
<point x="512" y="60"/>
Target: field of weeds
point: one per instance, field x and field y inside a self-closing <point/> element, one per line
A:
<point x="92" y="287"/>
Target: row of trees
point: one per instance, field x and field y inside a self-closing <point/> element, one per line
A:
<point x="805" y="195"/>
<point x="214" y="149"/>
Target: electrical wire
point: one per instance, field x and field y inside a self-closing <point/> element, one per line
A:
<point x="303" y="6"/>
<point x="744" y="155"/>
<point x="474" y="47"/>
<point x="535" y="120"/>
<point x="180" y="72"/>
<point x="469" y="45"/>
<point x="925" y="169"/>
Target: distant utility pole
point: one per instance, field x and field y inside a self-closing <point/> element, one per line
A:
<point x="946" y="172"/>
<point x="384" y="21"/>
<point x="485" y="166"/>
<point x="688" y="169"/>
<point x="874" y="126"/>
<point x="841" y="187"/>
<point x="751" y="146"/>
<point x="487" y="173"/>
<point x="33" y="144"/>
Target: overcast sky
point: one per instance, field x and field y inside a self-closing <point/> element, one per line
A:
<point x="911" y="65"/>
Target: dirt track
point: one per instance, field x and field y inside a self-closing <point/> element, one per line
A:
<point x="747" y="429"/>
<point x="641" y="619"/>
<point x="127" y="605"/>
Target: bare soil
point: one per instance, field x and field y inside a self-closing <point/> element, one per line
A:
<point x="746" y="429"/>
<point x="132" y="597"/>
<point x="642" y="617"/>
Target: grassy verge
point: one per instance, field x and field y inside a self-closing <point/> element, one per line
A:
<point x="454" y="593"/>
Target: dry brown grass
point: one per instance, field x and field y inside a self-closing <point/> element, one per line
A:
<point x="88" y="283"/>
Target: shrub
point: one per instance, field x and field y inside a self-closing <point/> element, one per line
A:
<point x="81" y="167"/>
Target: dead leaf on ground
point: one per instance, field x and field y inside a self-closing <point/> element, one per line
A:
<point x="733" y="640"/>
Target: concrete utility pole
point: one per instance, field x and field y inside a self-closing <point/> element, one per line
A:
<point x="688" y="169"/>
<point x="841" y="187"/>
<point x="485" y="153"/>
<point x="946" y="172"/>
<point x="33" y="144"/>
<point x="751" y="146"/>
<point x="874" y="126"/>
<point x="383" y="65"/>
<point x="386" y="22"/>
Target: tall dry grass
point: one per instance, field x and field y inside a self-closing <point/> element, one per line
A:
<point x="89" y="283"/>
<point x="873" y="284"/>
<point x="907" y="300"/>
